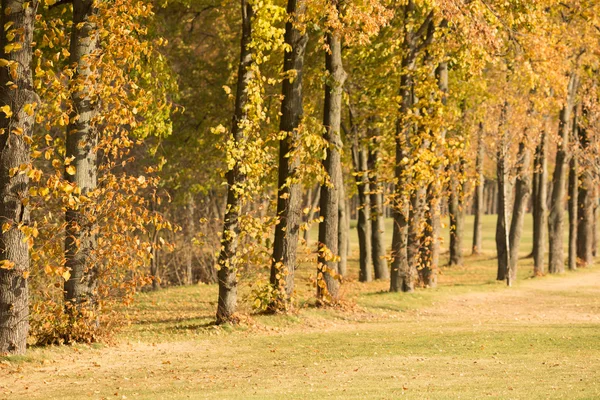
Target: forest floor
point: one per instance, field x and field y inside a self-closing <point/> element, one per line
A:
<point x="470" y="338"/>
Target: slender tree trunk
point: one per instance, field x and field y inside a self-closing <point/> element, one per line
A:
<point x="343" y="229"/>
<point x="289" y="196"/>
<point x="401" y="275"/>
<point x="479" y="197"/>
<point x="190" y="232"/>
<point x="502" y="229"/>
<point x="456" y="220"/>
<point x="540" y="208"/>
<point x="585" y="206"/>
<point x="415" y="234"/>
<point x="328" y="283"/>
<point x="595" y="223"/>
<point x="363" y="226"/>
<point x="556" y="262"/>
<point x="15" y="151"/>
<point x="81" y="145"/>
<point x="522" y="191"/>
<point x="572" y="206"/>
<point x="227" y="274"/>
<point x="380" y="267"/>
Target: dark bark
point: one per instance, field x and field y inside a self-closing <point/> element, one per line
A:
<point x="540" y="207"/>
<point x="14" y="152"/>
<point x="522" y="192"/>
<point x="556" y="262"/>
<point x="479" y="197"/>
<point x="572" y="206"/>
<point x="585" y="205"/>
<point x="402" y="276"/>
<point x="328" y="282"/>
<point x="363" y="226"/>
<point x="456" y="212"/>
<point x="226" y="275"/>
<point x="289" y="196"/>
<point x="380" y="267"/>
<point x="502" y="229"/>
<point x="81" y="145"/>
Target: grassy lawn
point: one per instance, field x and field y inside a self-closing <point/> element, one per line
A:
<point x="470" y="338"/>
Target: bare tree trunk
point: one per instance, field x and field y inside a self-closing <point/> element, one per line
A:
<point x="380" y="267"/>
<point x="226" y="275"/>
<point x="502" y="230"/>
<point x="540" y="208"/>
<point x="572" y="206"/>
<point x="81" y="144"/>
<point x="556" y="262"/>
<point x="456" y="221"/>
<point x="585" y="206"/>
<point x="343" y="229"/>
<point x="190" y="232"/>
<point x="523" y="189"/>
<point x="479" y="197"/>
<point x="289" y="196"/>
<point x="363" y="226"/>
<point x="417" y="205"/>
<point x="328" y="283"/>
<point x="14" y="190"/>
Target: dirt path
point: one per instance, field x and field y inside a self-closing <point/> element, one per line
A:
<point x="129" y="367"/>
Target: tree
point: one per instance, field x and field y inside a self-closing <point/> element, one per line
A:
<point x="479" y="195"/>
<point x="289" y="196"/>
<point x="540" y="199"/>
<point x="81" y="148"/>
<point x="556" y="264"/>
<point x="18" y="102"/>
<point x="227" y="274"/>
<point x="328" y="280"/>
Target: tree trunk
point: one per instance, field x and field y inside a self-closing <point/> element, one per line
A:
<point x="585" y="206"/>
<point x="415" y="234"/>
<point x="540" y="208"/>
<point x="227" y="274"/>
<point x="572" y="206"/>
<point x="81" y="144"/>
<point x="402" y="277"/>
<point x="380" y="267"/>
<point x="289" y="196"/>
<point x="522" y="191"/>
<point x="363" y="226"/>
<point x="15" y="151"/>
<point x="479" y="198"/>
<point x="190" y="232"/>
<point x="328" y="282"/>
<point x="456" y="221"/>
<point x="556" y="262"/>
<point x="343" y="228"/>
<point x="502" y="230"/>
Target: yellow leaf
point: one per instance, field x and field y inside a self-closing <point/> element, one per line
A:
<point x="5" y="227"/>
<point x="26" y="274"/>
<point x="71" y="170"/>
<point x="6" y="110"/>
<point x="66" y="275"/>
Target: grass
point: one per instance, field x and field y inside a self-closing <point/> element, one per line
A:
<point x="469" y="338"/>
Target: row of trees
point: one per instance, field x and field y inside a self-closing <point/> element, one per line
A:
<point x="114" y="130"/>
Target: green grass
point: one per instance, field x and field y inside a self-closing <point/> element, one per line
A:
<point x="470" y="338"/>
